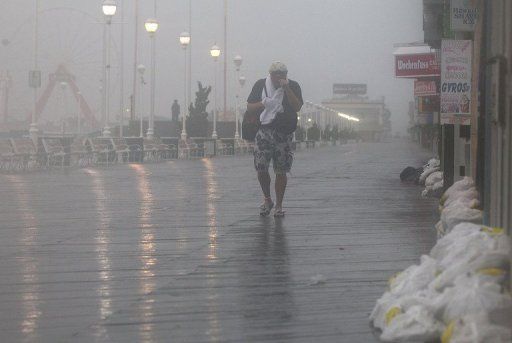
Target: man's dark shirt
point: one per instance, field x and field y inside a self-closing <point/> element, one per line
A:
<point x="289" y="117"/>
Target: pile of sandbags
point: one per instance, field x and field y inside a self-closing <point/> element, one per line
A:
<point x="434" y="185"/>
<point x="458" y="204"/>
<point x="451" y="292"/>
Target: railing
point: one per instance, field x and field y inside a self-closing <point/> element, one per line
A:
<point x="21" y="154"/>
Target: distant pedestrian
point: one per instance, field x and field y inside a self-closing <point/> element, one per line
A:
<point x="175" y="110"/>
<point x="279" y="99"/>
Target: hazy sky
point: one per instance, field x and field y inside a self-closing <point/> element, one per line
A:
<point x="322" y="42"/>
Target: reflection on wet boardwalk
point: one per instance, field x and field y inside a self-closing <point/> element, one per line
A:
<point x="176" y="252"/>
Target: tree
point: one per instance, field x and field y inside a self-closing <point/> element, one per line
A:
<point x="197" y="121"/>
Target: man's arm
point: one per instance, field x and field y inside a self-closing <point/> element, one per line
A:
<point x="254" y="103"/>
<point x="255" y="106"/>
<point x="293" y="99"/>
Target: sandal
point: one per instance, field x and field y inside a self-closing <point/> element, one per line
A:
<point x="266" y="207"/>
<point x="279" y="213"/>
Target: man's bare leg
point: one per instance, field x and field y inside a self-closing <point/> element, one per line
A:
<point x="264" y="179"/>
<point x="281" y="181"/>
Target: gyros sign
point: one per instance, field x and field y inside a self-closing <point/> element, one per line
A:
<point x="416" y="65"/>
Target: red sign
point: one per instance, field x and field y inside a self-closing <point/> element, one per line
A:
<point x="425" y="88"/>
<point x="417" y="65"/>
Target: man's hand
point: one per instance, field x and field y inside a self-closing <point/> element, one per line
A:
<point x="283" y="82"/>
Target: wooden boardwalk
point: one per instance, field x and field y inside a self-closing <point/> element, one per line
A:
<point x="176" y="252"/>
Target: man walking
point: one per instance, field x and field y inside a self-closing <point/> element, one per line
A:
<point x="278" y="99"/>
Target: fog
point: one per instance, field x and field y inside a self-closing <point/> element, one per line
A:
<point x="322" y="42"/>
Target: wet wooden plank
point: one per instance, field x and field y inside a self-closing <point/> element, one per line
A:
<point x="177" y="251"/>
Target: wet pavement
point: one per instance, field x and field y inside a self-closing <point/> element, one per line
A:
<point x="176" y="251"/>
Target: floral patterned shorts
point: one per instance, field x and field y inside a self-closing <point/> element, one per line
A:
<point x="275" y="146"/>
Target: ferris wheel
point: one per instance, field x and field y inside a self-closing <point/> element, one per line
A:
<point x="70" y="58"/>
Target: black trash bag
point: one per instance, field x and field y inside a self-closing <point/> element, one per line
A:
<point x="411" y="174"/>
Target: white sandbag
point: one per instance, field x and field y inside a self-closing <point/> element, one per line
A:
<point x="440" y="231"/>
<point x="433" y="185"/>
<point x="460" y="186"/>
<point x="485" y="264"/>
<point x="389" y="305"/>
<point x="458" y="213"/>
<point x="382" y="306"/>
<point x="426" y="172"/>
<point x="414" y="278"/>
<point x="471" y="295"/>
<point x="468" y="198"/>
<point x="444" y="245"/>
<point x="417" y="324"/>
<point x="433" y="178"/>
<point x="470" y="246"/>
<point x="476" y="328"/>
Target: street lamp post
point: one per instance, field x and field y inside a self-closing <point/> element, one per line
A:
<point x="241" y="81"/>
<point x="185" y="41"/>
<point x="35" y="76"/>
<point x="109" y="10"/>
<point x="151" y="26"/>
<point x="238" y="62"/>
<point x="215" y="53"/>
<point x="141" y="69"/>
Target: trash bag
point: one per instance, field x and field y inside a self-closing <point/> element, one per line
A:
<point x="475" y="328"/>
<point x="471" y="295"/>
<point x="414" y="278"/>
<point x="417" y="324"/>
<point x="410" y="174"/>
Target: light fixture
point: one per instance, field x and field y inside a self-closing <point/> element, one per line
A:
<point x="241" y="80"/>
<point x="109" y="8"/>
<point x="238" y="61"/>
<point x="151" y="25"/>
<point x="215" y="51"/>
<point x="184" y="39"/>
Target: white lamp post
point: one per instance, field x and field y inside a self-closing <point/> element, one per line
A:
<point x="151" y="26"/>
<point x="109" y="10"/>
<point x="141" y="69"/>
<point x="215" y="53"/>
<point x="238" y="62"/>
<point x="35" y="81"/>
<point x="185" y="41"/>
<point x="241" y="81"/>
